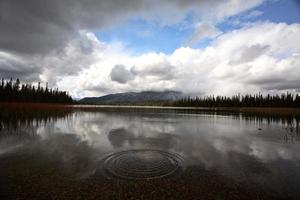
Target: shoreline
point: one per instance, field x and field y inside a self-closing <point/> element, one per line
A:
<point x="251" y="110"/>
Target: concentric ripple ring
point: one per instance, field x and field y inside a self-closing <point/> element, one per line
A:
<point x="142" y="164"/>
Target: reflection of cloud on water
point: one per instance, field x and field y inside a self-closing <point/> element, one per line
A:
<point x="204" y="138"/>
<point x="122" y="137"/>
<point x="74" y="154"/>
<point x="118" y="137"/>
<point x="14" y="139"/>
<point x="214" y="142"/>
<point x="271" y="151"/>
<point x="6" y="147"/>
<point x="99" y="130"/>
<point x="66" y="150"/>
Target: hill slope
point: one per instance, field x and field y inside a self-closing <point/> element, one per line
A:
<point x="133" y="97"/>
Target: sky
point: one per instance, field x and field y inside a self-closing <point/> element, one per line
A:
<point x="199" y="47"/>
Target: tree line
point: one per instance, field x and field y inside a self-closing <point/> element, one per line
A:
<point x="14" y="91"/>
<point x="257" y="100"/>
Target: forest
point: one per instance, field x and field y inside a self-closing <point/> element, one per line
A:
<point x="14" y="91"/>
<point x="287" y="100"/>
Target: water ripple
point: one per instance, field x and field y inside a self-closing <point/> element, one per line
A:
<point x="142" y="164"/>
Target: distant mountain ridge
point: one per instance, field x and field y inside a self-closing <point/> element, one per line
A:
<point x="133" y="97"/>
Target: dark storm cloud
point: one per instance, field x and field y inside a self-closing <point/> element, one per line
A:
<point x="32" y="26"/>
<point x="14" y="68"/>
<point x="39" y="26"/>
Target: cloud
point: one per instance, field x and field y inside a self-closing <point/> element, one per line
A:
<point x="246" y="60"/>
<point x="41" y="27"/>
<point x="248" y="54"/>
<point x="253" y="14"/>
<point x="233" y="63"/>
<point x="244" y="18"/>
<point x="12" y="66"/>
<point x="255" y="58"/>
<point x="155" y="66"/>
<point x="120" y="74"/>
<point x="78" y="54"/>
<point x="54" y="38"/>
<point x="55" y="42"/>
<point x="203" y="30"/>
<point x="278" y="75"/>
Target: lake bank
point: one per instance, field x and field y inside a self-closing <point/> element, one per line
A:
<point x="250" y="110"/>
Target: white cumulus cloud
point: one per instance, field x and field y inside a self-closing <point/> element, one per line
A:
<point x="258" y="57"/>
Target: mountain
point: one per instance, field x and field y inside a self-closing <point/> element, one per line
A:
<point x="133" y="97"/>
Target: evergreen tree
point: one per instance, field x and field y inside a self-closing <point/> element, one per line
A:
<point x="257" y="100"/>
<point x="11" y="91"/>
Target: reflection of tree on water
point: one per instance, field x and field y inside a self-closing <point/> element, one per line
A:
<point x="20" y="135"/>
<point x="18" y="118"/>
<point x="258" y="118"/>
<point x="290" y="123"/>
<point x="293" y="131"/>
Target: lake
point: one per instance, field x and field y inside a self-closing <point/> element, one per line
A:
<point x="148" y="154"/>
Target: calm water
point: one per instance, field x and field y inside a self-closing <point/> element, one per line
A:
<point x="149" y="154"/>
